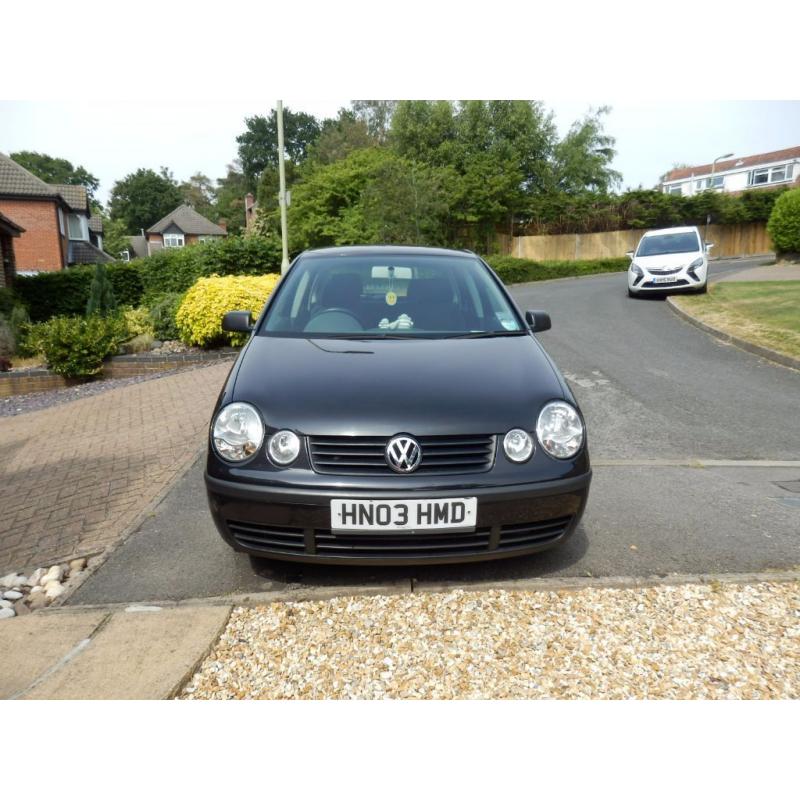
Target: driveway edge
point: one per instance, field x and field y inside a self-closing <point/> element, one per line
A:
<point x="742" y="344"/>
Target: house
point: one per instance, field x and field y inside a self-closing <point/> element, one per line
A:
<point x="181" y="227"/>
<point x="777" y="168"/>
<point x="55" y="220"/>
<point x="9" y="230"/>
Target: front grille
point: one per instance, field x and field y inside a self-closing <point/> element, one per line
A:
<point x="280" y="540"/>
<point x="365" y="455"/>
<point x="665" y="271"/>
<point x="652" y="285"/>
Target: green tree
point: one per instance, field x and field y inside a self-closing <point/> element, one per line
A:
<point x="230" y="194"/>
<point x="115" y="236"/>
<point x="341" y="136"/>
<point x="784" y="223"/>
<point x="258" y="145"/>
<point x="56" y="170"/>
<point x="582" y="159"/>
<point x="377" y="115"/>
<point x="101" y="296"/>
<point x="199" y="192"/>
<point x="144" y="197"/>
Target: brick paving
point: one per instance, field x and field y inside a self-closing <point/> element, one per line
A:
<point x="75" y="476"/>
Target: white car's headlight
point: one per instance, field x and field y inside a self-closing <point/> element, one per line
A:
<point x="284" y="447"/>
<point x="238" y="432"/>
<point x="636" y="269"/>
<point x="559" y="429"/>
<point x="518" y="445"/>
<point x="698" y="262"/>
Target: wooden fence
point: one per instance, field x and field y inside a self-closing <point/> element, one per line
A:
<point x="730" y="241"/>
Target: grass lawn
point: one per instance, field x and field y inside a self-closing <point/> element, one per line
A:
<point x="766" y="313"/>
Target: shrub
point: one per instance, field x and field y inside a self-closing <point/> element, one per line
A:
<point x="519" y="270"/>
<point x="162" y="316"/>
<point x="8" y="301"/>
<point x="8" y="342"/>
<point x="199" y="317"/>
<point x="177" y="269"/>
<point x="76" y="347"/>
<point x="784" y="223"/>
<point x="66" y="293"/>
<point x="137" y="321"/>
<point x="101" y="295"/>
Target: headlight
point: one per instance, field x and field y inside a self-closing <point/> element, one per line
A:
<point x="284" y="447"/>
<point x="559" y="429"/>
<point x="698" y="262"/>
<point x="636" y="269"/>
<point x="238" y="432"/>
<point x="518" y="445"/>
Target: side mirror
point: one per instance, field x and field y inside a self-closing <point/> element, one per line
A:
<point x="538" y="321"/>
<point x="709" y="245"/>
<point x="237" y="322"/>
<point x="629" y="254"/>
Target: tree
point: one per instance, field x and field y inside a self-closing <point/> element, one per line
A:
<point x="341" y="136"/>
<point x="258" y="145"/>
<point x="101" y="296"/>
<point x="115" y="236"/>
<point x="583" y="158"/>
<point x="144" y="197"/>
<point x="199" y="193"/>
<point x="784" y="223"/>
<point x="230" y="194"/>
<point x="377" y="115"/>
<point x="56" y="170"/>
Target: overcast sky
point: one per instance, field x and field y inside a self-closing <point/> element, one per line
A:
<point x="113" y="139"/>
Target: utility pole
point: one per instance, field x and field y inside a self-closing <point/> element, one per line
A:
<point x="282" y="191"/>
<point x="711" y="186"/>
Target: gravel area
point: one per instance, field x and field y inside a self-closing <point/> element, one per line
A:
<point x="36" y="401"/>
<point x="677" y="642"/>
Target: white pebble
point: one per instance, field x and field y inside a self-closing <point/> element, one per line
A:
<point x="6" y="604"/>
<point x="12" y="594"/>
<point x="7" y="613"/>
<point x="36" y="576"/>
<point x="55" y="573"/>
<point x="53" y="590"/>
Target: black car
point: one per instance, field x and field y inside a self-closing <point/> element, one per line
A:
<point x="392" y="406"/>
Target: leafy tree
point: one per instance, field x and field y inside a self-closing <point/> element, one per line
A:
<point x="56" y="170"/>
<point x="230" y="194"/>
<point x="144" y="197"/>
<point x="199" y="192"/>
<point x="424" y="131"/>
<point x="101" y="296"/>
<point x="784" y="223"/>
<point x="377" y="115"/>
<point x="583" y="158"/>
<point x="341" y="136"/>
<point x="115" y="236"/>
<point x="258" y="145"/>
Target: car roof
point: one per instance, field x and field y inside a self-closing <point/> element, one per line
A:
<point x="386" y="249"/>
<point x="685" y="229"/>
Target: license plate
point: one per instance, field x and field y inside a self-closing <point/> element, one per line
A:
<point x="668" y="279"/>
<point x="454" y="513"/>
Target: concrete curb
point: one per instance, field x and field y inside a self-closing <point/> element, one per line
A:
<point x="742" y="344"/>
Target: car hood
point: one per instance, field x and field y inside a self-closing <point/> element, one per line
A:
<point x="382" y="387"/>
<point x="668" y="261"/>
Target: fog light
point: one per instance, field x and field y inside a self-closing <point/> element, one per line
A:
<point x="518" y="445"/>
<point x="284" y="447"/>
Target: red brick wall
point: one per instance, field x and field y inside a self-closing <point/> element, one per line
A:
<point x="41" y="247"/>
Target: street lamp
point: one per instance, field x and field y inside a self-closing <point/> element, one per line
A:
<point x="711" y="186"/>
<point x="282" y="190"/>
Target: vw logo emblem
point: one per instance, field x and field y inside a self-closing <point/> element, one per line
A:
<point x="403" y="454"/>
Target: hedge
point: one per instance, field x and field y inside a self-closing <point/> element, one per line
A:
<point x="65" y="293"/>
<point x="521" y="270"/>
<point x="784" y="223"/>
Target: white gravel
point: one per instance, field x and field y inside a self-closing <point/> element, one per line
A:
<point x="680" y="642"/>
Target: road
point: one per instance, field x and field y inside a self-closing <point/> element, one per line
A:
<point x="658" y="395"/>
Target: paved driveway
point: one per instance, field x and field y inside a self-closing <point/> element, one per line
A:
<point x="660" y="398"/>
<point x="74" y="477"/>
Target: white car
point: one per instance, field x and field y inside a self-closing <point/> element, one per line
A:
<point x="669" y="259"/>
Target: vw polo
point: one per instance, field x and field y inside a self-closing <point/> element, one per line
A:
<point x="392" y="405"/>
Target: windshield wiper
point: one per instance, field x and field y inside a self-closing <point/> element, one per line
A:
<point x="485" y="334"/>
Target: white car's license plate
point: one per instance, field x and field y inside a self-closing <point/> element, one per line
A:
<point x="453" y="513"/>
<point x="667" y="279"/>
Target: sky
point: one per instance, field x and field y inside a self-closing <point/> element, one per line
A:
<point x="112" y="139"/>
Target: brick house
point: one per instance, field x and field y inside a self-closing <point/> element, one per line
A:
<point x="179" y="228"/>
<point x="9" y="230"/>
<point x="55" y="219"/>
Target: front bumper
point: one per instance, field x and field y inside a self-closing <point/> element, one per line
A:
<point x="294" y="524"/>
<point x="682" y="280"/>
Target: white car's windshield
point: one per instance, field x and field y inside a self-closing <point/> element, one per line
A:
<point x="667" y="243"/>
<point x="384" y="295"/>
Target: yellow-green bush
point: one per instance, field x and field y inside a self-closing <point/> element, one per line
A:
<point x="199" y="316"/>
<point x="137" y="321"/>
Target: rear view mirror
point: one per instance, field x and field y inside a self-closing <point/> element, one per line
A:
<point x="709" y="245"/>
<point x="237" y="322"/>
<point x="629" y="254"/>
<point x="538" y="321"/>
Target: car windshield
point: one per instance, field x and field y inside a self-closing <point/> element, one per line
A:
<point x="389" y="296"/>
<point x="665" y="243"/>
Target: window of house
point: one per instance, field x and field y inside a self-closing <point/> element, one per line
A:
<point x="759" y="176"/>
<point x="782" y="172"/>
<point x="173" y="240"/>
<point x="61" y="221"/>
<point x="75" y="226"/>
<point x="675" y="190"/>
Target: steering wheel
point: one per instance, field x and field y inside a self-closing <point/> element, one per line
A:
<point x="345" y="311"/>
